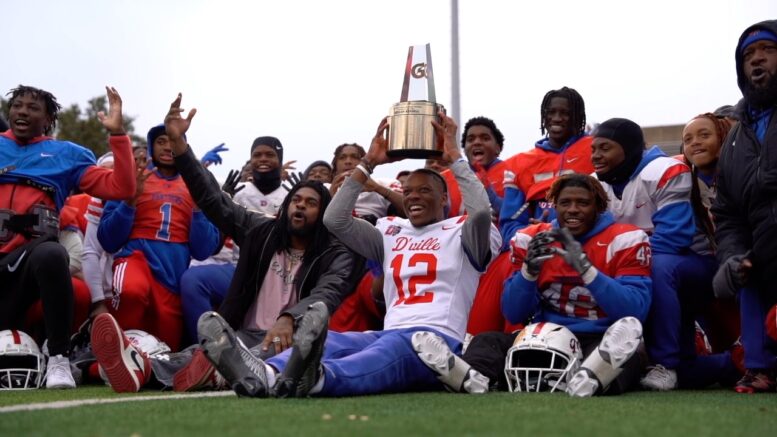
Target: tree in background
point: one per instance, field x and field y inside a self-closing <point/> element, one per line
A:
<point x="82" y="126"/>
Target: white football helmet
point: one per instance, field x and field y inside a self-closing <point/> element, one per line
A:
<point x="21" y="363"/>
<point x="543" y="357"/>
<point x="146" y="342"/>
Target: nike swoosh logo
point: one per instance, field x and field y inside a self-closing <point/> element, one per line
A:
<point x="12" y="268"/>
<point x="46" y="155"/>
<point x="641" y="205"/>
<point x="134" y="357"/>
<point x="448" y="228"/>
<point x="571" y="160"/>
<point x="599" y="243"/>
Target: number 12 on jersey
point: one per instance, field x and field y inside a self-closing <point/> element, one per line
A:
<point x="411" y="296"/>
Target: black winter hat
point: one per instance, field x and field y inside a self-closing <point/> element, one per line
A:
<point x="271" y="142"/>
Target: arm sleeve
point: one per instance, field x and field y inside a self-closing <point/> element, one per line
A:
<point x="71" y="241"/>
<point x="622" y="296"/>
<point x="476" y="231"/>
<point x="520" y="298"/>
<point x="204" y="238"/>
<point x="513" y="201"/>
<point x="118" y="183"/>
<point x="115" y="226"/>
<point x="362" y="237"/>
<point x="90" y="263"/>
<point x="230" y="218"/>
<point x="673" y="224"/>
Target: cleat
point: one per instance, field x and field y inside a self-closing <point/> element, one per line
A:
<point x="303" y="370"/>
<point x="455" y="373"/>
<point x="126" y="367"/>
<point x="243" y="372"/>
<point x="603" y="365"/>
<point x="756" y="382"/>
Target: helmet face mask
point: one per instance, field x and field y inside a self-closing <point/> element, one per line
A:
<point x="543" y="357"/>
<point x="21" y="362"/>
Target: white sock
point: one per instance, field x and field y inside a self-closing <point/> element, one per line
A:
<point x="319" y="385"/>
<point x="271" y="375"/>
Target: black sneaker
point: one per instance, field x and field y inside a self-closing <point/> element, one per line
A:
<point x="245" y="373"/>
<point x="303" y="369"/>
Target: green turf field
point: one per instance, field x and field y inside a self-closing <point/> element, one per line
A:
<point x="688" y="413"/>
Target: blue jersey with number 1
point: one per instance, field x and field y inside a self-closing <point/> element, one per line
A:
<point x="164" y="225"/>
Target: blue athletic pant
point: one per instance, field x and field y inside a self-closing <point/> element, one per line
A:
<point x="759" y="349"/>
<point x="361" y="363"/>
<point x="682" y="285"/>
<point x="202" y="289"/>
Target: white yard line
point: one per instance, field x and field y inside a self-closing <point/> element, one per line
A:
<point x="99" y="401"/>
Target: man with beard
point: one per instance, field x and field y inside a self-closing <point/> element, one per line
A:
<point x="263" y="193"/>
<point x="285" y="265"/>
<point x="205" y="284"/>
<point x="153" y="237"/>
<point x="432" y="266"/>
<point x="744" y="209"/>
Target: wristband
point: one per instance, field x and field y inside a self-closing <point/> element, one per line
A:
<point x="363" y="170"/>
<point x="367" y="166"/>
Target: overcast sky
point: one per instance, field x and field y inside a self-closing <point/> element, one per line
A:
<point x="316" y="74"/>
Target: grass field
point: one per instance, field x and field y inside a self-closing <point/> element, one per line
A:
<point x="687" y="413"/>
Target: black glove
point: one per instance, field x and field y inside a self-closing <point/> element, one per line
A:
<point x="538" y="252"/>
<point x="572" y="251"/>
<point x="729" y="278"/>
<point x="230" y="185"/>
<point x="292" y="181"/>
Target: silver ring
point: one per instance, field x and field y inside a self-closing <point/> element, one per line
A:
<point x="276" y="340"/>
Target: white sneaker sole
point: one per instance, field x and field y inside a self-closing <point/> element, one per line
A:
<point x="125" y="367"/>
<point x="603" y="365"/>
<point x="452" y="371"/>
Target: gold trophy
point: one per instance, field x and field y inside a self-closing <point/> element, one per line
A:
<point x="411" y="134"/>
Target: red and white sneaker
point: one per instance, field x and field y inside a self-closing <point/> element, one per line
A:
<point x="126" y="367"/>
<point x="199" y="374"/>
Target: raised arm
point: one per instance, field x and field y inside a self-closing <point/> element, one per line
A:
<point x="229" y="217"/>
<point x="118" y="183"/>
<point x="359" y="235"/>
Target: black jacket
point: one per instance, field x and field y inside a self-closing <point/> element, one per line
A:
<point x="327" y="277"/>
<point x="745" y="208"/>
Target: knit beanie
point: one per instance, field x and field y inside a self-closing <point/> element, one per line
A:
<point x="270" y="142"/>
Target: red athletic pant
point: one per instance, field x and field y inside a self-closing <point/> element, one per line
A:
<point x="144" y="303"/>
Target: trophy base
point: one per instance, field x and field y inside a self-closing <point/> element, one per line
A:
<point x="411" y="134"/>
<point x="414" y="153"/>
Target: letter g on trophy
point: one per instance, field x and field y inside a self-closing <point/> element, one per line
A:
<point x="411" y="134"/>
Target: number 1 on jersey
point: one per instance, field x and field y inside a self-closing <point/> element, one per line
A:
<point x="164" y="229"/>
<point x="428" y="278"/>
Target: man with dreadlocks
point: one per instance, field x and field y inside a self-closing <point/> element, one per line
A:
<point x="37" y="173"/>
<point x="528" y="175"/>
<point x="744" y="209"/>
<point x="286" y="264"/>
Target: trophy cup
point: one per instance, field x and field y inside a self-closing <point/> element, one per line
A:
<point x="411" y="134"/>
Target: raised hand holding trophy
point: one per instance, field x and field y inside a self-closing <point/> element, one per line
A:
<point x="411" y="134"/>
